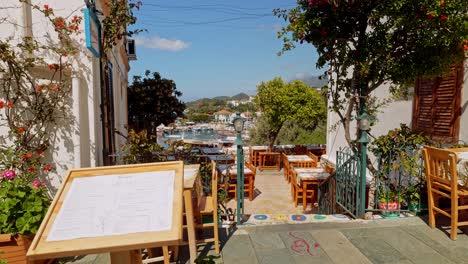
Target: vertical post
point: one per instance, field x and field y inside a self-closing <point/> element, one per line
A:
<point x="238" y="125"/>
<point x="364" y="126"/>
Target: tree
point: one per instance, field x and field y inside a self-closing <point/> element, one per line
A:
<point x="367" y="43"/>
<point x="153" y="100"/>
<point x="200" y="118"/>
<point x="281" y="102"/>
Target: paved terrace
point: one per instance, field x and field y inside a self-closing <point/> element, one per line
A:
<point x="404" y="240"/>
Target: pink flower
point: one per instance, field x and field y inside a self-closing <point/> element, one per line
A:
<point x="37" y="183"/>
<point x="9" y="174"/>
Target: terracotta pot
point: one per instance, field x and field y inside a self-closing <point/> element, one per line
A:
<point x="13" y="248"/>
<point x="389" y="206"/>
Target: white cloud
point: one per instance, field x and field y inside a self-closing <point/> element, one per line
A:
<point x="302" y="75"/>
<point x="157" y="42"/>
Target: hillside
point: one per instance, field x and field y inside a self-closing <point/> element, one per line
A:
<point x="211" y="105"/>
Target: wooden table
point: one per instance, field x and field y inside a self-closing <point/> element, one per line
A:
<point x="191" y="176"/>
<point x="249" y="176"/>
<point x="51" y="241"/>
<point x="270" y="156"/>
<point x="254" y="151"/>
<point x="462" y="165"/>
<point x="309" y="177"/>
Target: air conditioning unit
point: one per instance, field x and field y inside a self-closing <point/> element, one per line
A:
<point x="131" y="49"/>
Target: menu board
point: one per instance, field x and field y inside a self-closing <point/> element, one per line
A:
<point x="115" y="205"/>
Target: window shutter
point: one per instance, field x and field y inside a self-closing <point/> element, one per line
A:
<point x="436" y="106"/>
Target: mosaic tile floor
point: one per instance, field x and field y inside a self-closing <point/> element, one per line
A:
<point x="273" y="203"/>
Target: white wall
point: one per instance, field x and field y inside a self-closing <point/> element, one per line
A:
<point x="390" y="117"/>
<point x="464" y="108"/>
<point x="78" y="139"/>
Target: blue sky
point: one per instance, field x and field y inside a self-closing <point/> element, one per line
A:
<point x="211" y="48"/>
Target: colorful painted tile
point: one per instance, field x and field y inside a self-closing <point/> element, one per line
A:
<point x="298" y="217"/>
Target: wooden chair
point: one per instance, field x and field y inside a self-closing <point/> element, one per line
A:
<point x="249" y="181"/>
<point x="297" y="191"/>
<point x="285" y="166"/>
<point x="442" y="181"/>
<point x="209" y="206"/>
<point x="299" y="164"/>
<point x="313" y="157"/>
<point x="153" y="256"/>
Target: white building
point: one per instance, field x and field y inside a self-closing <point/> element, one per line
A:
<point x="439" y="108"/>
<point x="87" y="138"/>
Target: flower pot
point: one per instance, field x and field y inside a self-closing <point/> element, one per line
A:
<point x="13" y="248"/>
<point x="389" y="209"/>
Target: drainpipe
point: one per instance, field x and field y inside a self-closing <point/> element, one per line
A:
<point x="76" y="138"/>
<point x="27" y="18"/>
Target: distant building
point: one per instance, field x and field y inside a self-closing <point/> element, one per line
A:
<point x="223" y="116"/>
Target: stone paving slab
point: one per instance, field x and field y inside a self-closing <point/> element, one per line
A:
<point x="267" y="241"/>
<point x="393" y="241"/>
<point x="456" y="251"/>
<point x="274" y="256"/>
<point x="239" y="249"/>
<point x="338" y="248"/>
<point x="304" y="248"/>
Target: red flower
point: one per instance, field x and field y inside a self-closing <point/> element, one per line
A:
<point x="24" y="156"/>
<point x="31" y="169"/>
<point x="465" y="48"/>
<point x="430" y="16"/>
<point x="9" y="103"/>
<point x="442" y="3"/>
<point x="46" y="7"/>
<point x="29" y="155"/>
<point x="443" y="17"/>
<point x="39" y="89"/>
<point x="323" y="33"/>
<point x="48" y="167"/>
<point x="53" y="66"/>
<point x="20" y="130"/>
<point x="2" y="104"/>
<point x="39" y="152"/>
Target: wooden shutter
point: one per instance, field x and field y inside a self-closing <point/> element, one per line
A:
<point x="436" y="106"/>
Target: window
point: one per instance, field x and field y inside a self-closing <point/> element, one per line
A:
<point x="436" y="106"/>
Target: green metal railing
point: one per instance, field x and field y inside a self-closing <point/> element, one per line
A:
<point x="326" y="196"/>
<point x="348" y="183"/>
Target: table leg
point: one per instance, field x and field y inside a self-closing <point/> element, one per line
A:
<point x="126" y="257"/>
<point x="192" y="243"/>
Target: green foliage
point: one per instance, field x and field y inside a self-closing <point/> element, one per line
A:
<point x="206" y="259"/>
<point x="115" y="24"/>
<point x="23" y="206"/>
<point x="281" y="102"/>
<point x="365" y="44"/>
<point x="153" y="100"/>
<point x="2" y="261"/>
<point x="199" y="118"/>
<point x="399" y="152"/>
<point x="141" y="148"/>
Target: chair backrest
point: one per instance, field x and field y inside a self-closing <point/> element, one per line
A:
<point x="303" y="164"/>
<point x="251" y="168"/>
<point x="285" y="160"/>
<point x="313" y="156"/>
<point x="441" y="167"/>
<point x="293" y="173"/>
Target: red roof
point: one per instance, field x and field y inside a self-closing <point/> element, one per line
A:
<point x="223" y="112"/>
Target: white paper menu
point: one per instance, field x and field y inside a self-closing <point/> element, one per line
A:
<point x="115" y="205"/>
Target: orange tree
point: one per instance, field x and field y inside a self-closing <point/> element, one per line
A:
<point x="367" y="43"/>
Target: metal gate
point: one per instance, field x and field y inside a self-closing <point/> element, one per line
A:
<point x="348" y="183"/>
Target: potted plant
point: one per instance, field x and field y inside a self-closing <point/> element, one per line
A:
<point x="390" y="203"/>
<point x="23" y="205"/>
